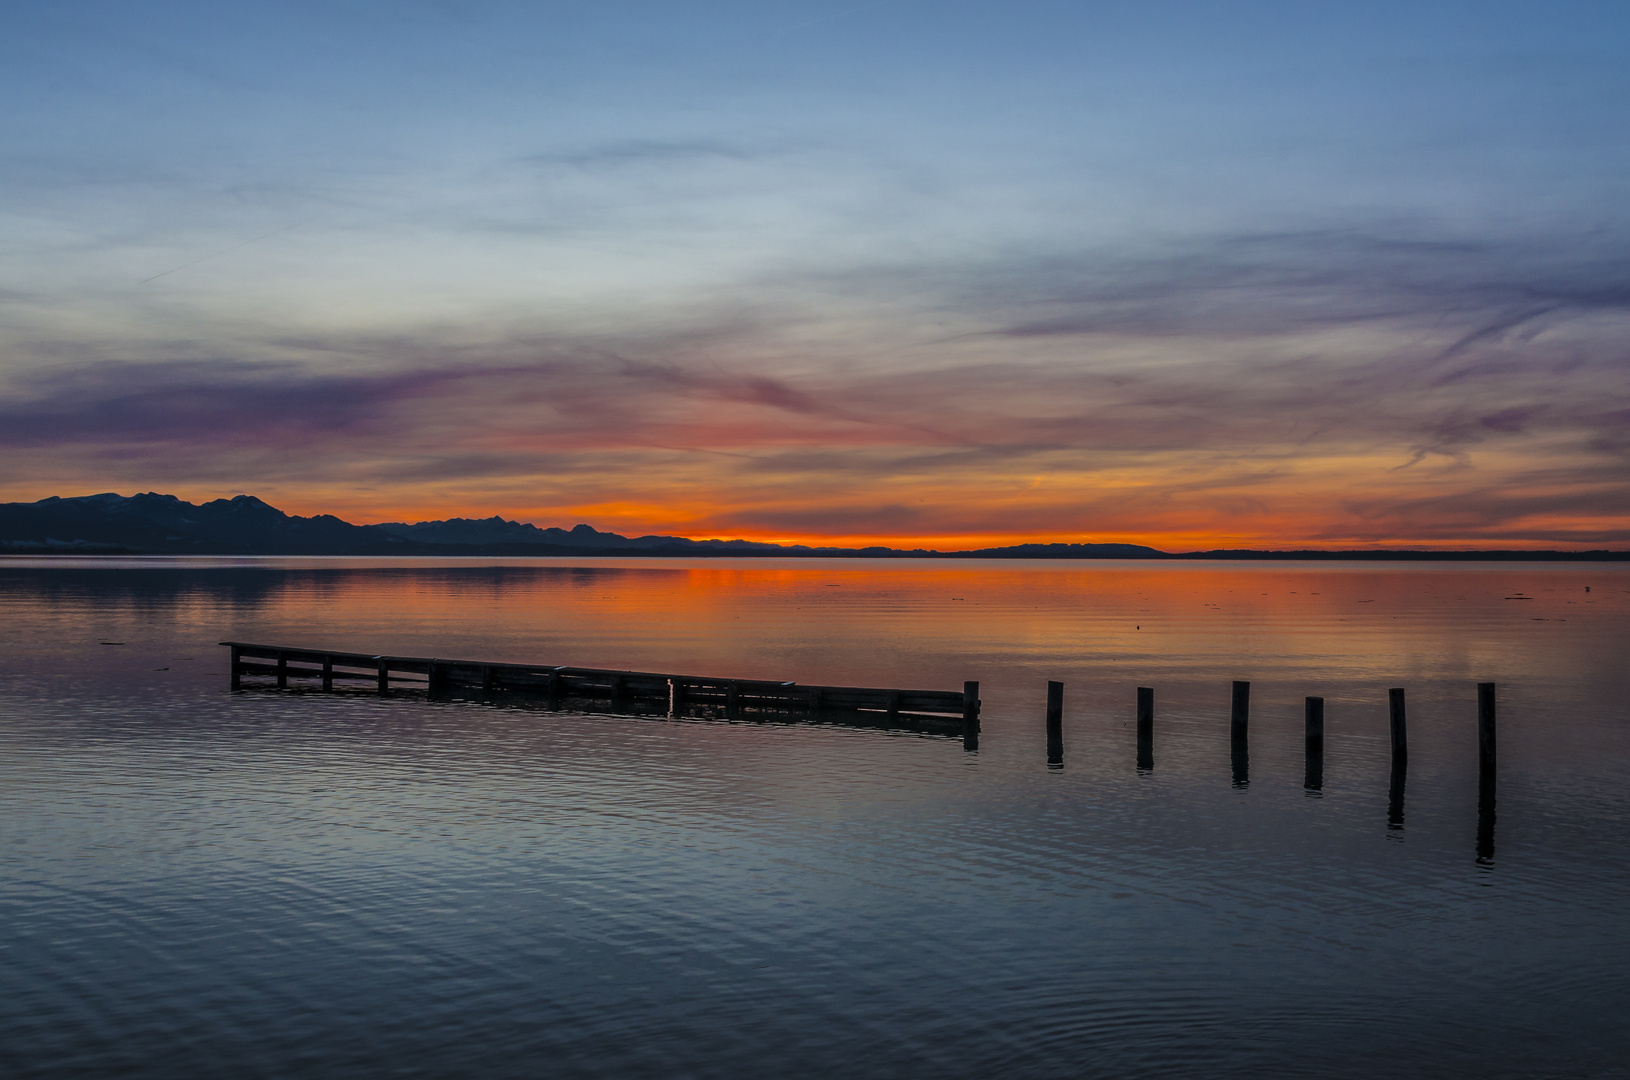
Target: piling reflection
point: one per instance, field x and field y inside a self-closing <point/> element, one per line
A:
<point x="1395" y="795"/>
<point x="1240" y="757"/>
<point x="1485" y="830"/>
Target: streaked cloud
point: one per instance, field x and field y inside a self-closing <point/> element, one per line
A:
<point x="667" y="282"/>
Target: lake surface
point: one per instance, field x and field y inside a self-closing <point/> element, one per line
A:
<point x="200" y="883"/>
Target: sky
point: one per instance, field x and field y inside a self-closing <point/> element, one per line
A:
<point x="945" y="274"/>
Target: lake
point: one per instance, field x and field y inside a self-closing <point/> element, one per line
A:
<point x="200" y="883"/>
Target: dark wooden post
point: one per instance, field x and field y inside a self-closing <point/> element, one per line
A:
<point x="732" y="700"/>
<point x="328" y="672"/>
<point x="282" y="671"/>
<point x="1485" y="737"/>
<point x="1146" y="727"/>
<point x="1395" y="709"/>
<point x="1055" y="723"/>
<point x="434" y="679"/>
<point x="1239" y="717"/>
<point x="237" y="670"/>
<point x="1238" y="731"/>
<point x="619" y="691"/>
<point x="554" y="688"/>
<point x="676" y="696"/>
<point x="384" y="676"/>
<point x="970" y="716"/>
<point x="891" y="703"/>
<point x="1313" y="719"/>
<point x="489" y="679"/>
<point x="814" y="699"/>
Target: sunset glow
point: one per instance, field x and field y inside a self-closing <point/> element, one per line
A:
<point x="946" y="276"/>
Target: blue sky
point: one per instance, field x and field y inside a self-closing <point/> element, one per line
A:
<point x="1340" y="273"/>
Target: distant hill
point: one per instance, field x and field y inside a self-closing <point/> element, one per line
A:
<point x="154" y="524"/>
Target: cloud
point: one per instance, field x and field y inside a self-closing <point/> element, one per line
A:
<point x="1209" y="382"/>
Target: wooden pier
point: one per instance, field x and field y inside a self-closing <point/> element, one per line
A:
<point x="948" y="712"/>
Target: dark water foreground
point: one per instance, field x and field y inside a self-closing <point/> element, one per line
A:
<point x="195" y="883"/>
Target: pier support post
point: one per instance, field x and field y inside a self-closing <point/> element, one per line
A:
<point x="1055" y="723"/>
<point x="1395" y="710"/>
<point x="328" y="673"/>
<point x="1239" y="719"/>
<point x="237" y="671"/>
<point x="384" y="676"/>
<point x="1146" y="727"/>
<point x="1485" y="738"/>
<point x="970" y="716"/>
<point x="1239" y="715"/>
<point x="489" y="679"/>
<point x="732" y="700"/>
<point x="282" y="671"/>
<point x="1313" y="721"/>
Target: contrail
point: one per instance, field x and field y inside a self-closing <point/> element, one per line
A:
<point x="223" y="251"/>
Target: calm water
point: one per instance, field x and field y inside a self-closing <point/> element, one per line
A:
<point x="197" y="883"/>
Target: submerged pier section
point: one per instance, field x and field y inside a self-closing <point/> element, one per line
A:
<point x="948" y="712"/>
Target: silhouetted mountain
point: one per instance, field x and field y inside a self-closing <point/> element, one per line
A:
<point x="496" y="530"/>
<point x="165" y="525"/>
<point x="154" y="524"/>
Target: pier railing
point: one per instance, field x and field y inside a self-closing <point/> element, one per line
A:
<point x="440" y="677"/>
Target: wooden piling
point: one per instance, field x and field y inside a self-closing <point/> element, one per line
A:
<point x="1146" y="727"/>
<point x="237" y="671"/>
<point x="1239" y="717"/>
<point x="1055" y="723"/>
<point x="1395" y="710"/>
<point x="328" y="673"/>
<point x="1239" y="750"/>
<point x="1485" y="737"/>
<point x="282" y="671"/>
<point x="384" y="676"/>
<point x="970" y="716"/>
<point x="1313" y="739"/>
<point x="489" y="679"/>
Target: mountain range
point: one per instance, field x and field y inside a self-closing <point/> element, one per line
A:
<point x="154" y="524"/>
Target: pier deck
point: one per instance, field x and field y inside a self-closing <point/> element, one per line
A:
<point x="677" y="695"/>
